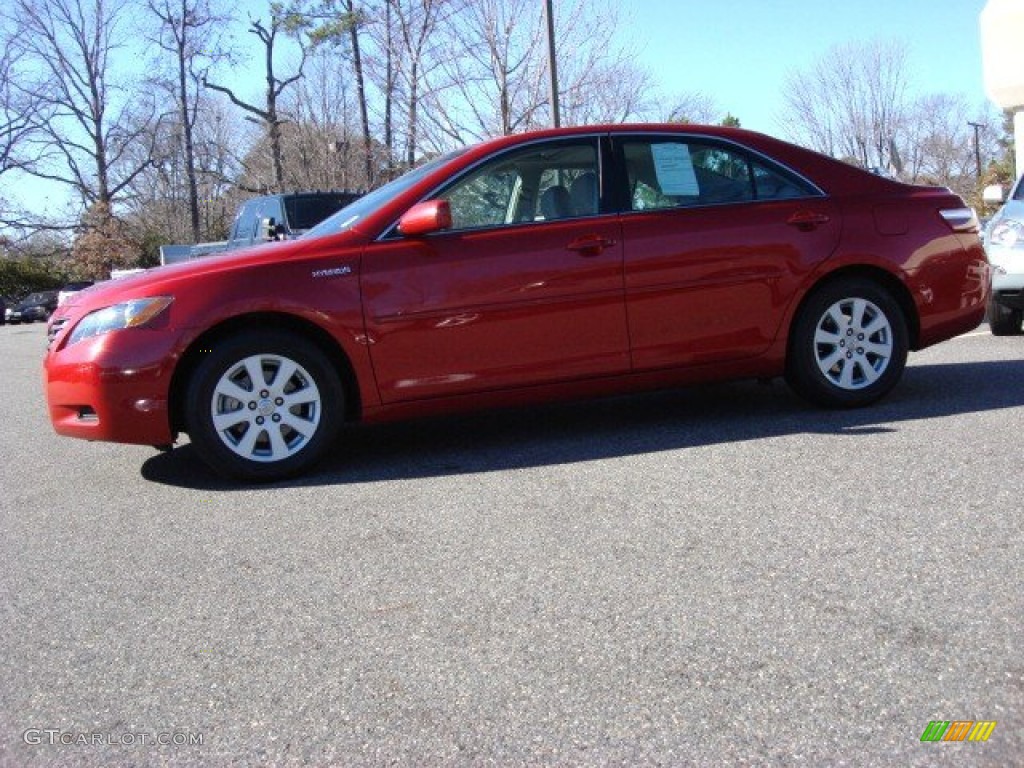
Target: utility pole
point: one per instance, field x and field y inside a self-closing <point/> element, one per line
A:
<point x="977" y="147"/>
<point x="556" y="120"/>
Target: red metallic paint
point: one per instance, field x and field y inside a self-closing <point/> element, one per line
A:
<point x="531" y="312"/>
<point x="443" y="320"/>
<point x="703" y="287"/>
<point x="425" y="218"/>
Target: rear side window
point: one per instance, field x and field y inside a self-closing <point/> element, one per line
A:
<point x="663" y="172"/>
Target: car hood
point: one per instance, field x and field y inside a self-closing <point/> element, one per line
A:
<point x="154" y="281"/>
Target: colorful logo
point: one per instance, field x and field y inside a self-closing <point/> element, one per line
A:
<point x="958" y="730"/>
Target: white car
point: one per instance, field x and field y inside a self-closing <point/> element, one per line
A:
<point x="71" y="289"/>
<point x="1004" y="243"/>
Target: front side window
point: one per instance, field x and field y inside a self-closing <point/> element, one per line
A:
<point x="676" y="173"/>
<point x="542" y="182"/>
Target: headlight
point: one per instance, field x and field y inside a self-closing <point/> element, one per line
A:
<point x="1008" y="233"/>
<point x="128" y="314"/>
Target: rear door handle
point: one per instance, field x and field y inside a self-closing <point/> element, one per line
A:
<point x="590" y="245"/>
<point x="806" y="221"/>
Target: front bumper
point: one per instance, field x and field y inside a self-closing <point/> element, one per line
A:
<point x="1007" y="276"/>
<point x="113" y="387"/>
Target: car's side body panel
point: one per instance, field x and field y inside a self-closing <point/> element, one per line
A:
<point x="702" y="287"/>
<point x="443" y="320"/>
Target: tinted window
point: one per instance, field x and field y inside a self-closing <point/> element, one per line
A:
<point x="673" y="173"/>
<point x="306" y="211"/>
<point x="543" y="182"/>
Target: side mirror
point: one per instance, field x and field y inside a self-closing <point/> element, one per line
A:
<point x="994" y="194"/>
<point x="267" y="229"/>
<point x="426" y="217"/>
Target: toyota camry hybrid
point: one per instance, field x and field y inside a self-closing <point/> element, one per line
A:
<point x="556" y="264"/>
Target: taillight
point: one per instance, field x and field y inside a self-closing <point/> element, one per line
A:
<point x="960" y="219"/>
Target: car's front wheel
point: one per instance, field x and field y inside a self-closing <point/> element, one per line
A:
<point x="848" y="344"/>
<point x="1004" y="321"/>
<point x="263" y="405"/>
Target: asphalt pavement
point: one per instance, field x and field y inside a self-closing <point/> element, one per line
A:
<point x="721" y="575"/>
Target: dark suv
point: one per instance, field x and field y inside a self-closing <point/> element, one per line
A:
<point x="282" y="217"/>
<point x="270" y="217"/>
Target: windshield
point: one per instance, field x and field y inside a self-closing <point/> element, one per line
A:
<point x="346" y="218"/>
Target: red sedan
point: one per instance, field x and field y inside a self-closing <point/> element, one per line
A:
<point x="563" y="263"/>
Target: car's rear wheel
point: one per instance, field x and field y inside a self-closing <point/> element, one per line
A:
<point x="848" y="346"/>
<point x="1004" y="321"/>
<point x="263" y="405"/>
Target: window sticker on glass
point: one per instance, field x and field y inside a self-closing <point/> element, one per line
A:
<point x="674" y="167"/>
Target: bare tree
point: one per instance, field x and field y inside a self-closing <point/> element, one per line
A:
<point x="387" y="45"/>
<point x="185" y="35"/>
<point x="17" y="112"/>
<point x="852" y="103"/>
<point x="340" y="24"/>
<point x="325" y="138"/>
<point x="291" y="22"/>
<point x="936" y="142"/>
<point x="693" y="107"/>
<point x="158" y="202"/>
<point x="493" y="76"/>
<point x="599" y="81"/>
<point x="417" y="49"/>
<point x="94" y="127"/>
<point x="353" y="20"/>
<point x="493" y="79"/>
<point x="19" y="116"/>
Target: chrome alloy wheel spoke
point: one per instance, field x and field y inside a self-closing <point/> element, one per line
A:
<point x="266" y="408"/>
<point x="853" y="343"/>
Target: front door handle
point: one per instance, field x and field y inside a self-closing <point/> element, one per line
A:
<point x="807" y="221"/>
<point x="590" y="245"/>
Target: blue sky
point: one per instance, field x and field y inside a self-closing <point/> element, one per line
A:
<point x="740" y="52"/>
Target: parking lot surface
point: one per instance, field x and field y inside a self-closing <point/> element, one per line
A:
<point x="719" y="575"/>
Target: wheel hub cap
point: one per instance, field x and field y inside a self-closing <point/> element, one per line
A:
<point x="853" y="343"/>
<point x="266" y="408"/>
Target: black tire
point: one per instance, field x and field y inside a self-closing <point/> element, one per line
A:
<point x="1004" y="321"/>
<point x="271" y="429"/>
<point x="848" y="344"/>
